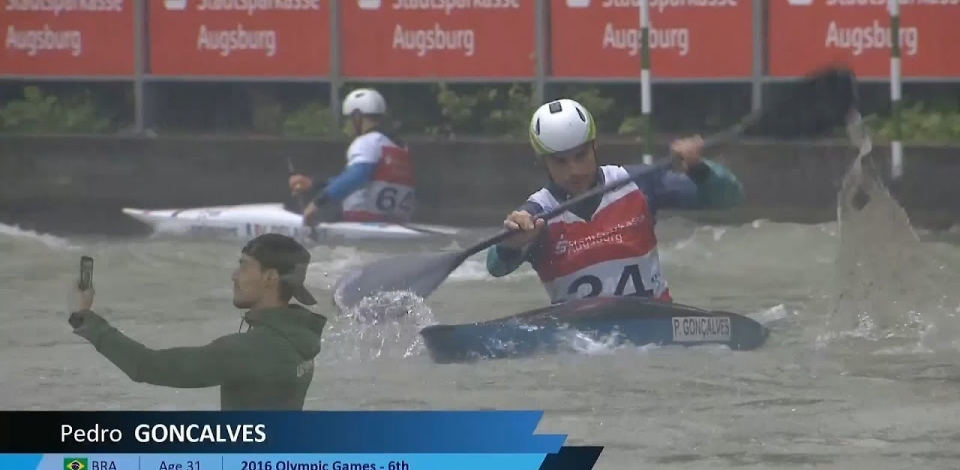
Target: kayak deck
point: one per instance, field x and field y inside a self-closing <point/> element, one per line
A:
<point x="618" y="320"/>
<point x="246" y="221"/>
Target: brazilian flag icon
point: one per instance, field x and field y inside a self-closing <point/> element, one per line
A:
<point x="71" y="463"/>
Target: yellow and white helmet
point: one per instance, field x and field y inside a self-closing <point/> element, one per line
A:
<point x="561" y="126"/>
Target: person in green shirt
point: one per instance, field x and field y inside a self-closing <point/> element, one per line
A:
<point x="267" y="367"/>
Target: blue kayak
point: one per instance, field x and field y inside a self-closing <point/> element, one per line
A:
<point x="628" y="320"/>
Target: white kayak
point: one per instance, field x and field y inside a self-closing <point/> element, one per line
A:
<point x="243" y="222"/>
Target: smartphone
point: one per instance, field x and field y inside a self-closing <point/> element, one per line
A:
<point x="86" y="273"/>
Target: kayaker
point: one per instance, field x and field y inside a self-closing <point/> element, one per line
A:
<point x="267" y="367"/>
<point x="606" y="246"/>
<point x="377" y="183"/>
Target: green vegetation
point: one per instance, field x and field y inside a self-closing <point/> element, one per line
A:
<point x="312" y="120"/>
<point x="37" y="112"/>
<point x="452" y="109"/>
<point x="919" y="123"/>
<point x="441" y="110"/>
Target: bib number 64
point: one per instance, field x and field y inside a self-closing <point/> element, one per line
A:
<point x="387" y="200"/>
<point x="629" y="277"/>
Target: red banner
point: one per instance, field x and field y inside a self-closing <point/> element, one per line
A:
<point x="806" y="34"/>
<point x="67" y="38"/>
<point x="688" y="38"/>
<point x="438" y="38"/>
<point x="288" y="38"/>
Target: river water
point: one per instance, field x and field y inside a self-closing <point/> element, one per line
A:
<point x="860" y="371"/>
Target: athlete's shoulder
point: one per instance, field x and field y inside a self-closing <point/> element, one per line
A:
<point x="366" y="147"/>
<point x="369" y="139"/>
<point x="391" y="139"/>
<point x="611" y="172"/>
<point x="543" y="199"/>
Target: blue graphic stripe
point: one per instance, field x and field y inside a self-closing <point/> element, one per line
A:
<point x="277" y="461"/>
<point x="24" y="461"/>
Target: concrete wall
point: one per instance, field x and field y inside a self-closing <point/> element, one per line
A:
<point x="78" y="184"/>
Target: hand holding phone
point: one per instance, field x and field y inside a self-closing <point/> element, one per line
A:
<point x="86" y="273"/>
<point x="84" y="292"/>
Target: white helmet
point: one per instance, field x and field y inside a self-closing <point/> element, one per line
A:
<point x="561" y="126"/>
<point x="366" y="101"/>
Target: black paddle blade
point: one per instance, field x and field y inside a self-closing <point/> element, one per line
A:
<point x="815" y="107"/>
<point x="417" y="273"/>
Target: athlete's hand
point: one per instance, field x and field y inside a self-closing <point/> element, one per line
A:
<point x="526" y="225"/>
<point x="79" y="301"/>
<point x="310" y="214"/>
<point x="299" y="184"/>
<point x="689" y="150"/>
<point x="89" y="326"/>
<point x="86" y="298"/>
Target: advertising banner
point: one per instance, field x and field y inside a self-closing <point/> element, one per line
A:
<point x="251" y="38"/>
<point x="438" y="38"/>
<point x="806" y="34"/>
<point x="688" y="38"/>
<point x="67" y="38"/>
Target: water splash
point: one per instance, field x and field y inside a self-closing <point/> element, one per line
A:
<point x="47" y="240"/>
<point x="392" y="306"/>
<point x="581" y="342"/>
<point x="776" y="314"/>
<point x="386" y="325"/>
<point x="888" y="291"/>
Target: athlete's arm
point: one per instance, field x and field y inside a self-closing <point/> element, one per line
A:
<point x="707" y="185"/>
<point x="227" y="359"/>
<point x="353" y="177"/>
<point x="362" y="158"/>
<point x="503" y="260"/>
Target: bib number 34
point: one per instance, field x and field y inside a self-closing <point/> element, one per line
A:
<point x="629" y="277"/>
<point x="388" y="200"/>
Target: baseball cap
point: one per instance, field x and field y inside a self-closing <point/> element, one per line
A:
<point x="288" y="257"/>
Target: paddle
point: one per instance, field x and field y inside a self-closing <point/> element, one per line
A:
<point x="819" y="104"/>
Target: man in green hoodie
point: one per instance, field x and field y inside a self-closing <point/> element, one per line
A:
<point x="267" y="367"/>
